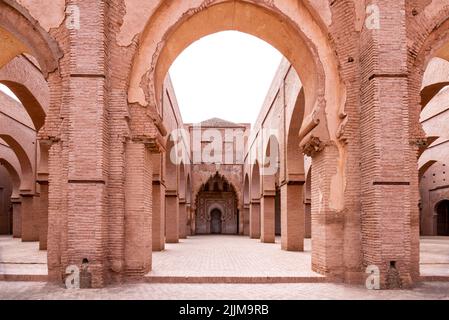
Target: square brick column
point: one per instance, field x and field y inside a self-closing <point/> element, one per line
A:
<point x="292" y="216"/>
<point x="138" y="205"/>
<point x="192" y="221"/>
<point x="182" y="220"/>
<point x="245" y="215"/>
<point x="267" y="218"/>
<point x="78" y="220"/>
<point x="171" y="217"/>
<point x="30" y="218"/>
<point x="308" y="219"/>
<point x="327" y="220"/>
<point x="43" y="215"/>
<point x="158" y="214"/>
<point x="389" y="188"/>
<point x="254" y="219"/>
<point x="16" y="217"/>
<point x="189" y="219"/>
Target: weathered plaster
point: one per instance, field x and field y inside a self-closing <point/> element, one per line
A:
<point x="10" y="47"/>
<point x="137" y="13"/>
<point x="323" y="9"/>
<point x="49" y="14"/>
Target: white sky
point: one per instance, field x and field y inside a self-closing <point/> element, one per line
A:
<point x="225" y="75"/>
<point x="6" y="90"/>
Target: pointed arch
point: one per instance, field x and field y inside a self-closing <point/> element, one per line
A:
<point x="15" y="177"/>
<point x="295" y="30"/>
<point x="25" y="35"/>
<point x="28" y="179"/>
<point x="246" y="193"/>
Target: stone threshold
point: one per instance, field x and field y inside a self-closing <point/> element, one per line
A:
<point x="235" y="279"/>
<point x="433" y="278"/>
<point x="24" y="277"/>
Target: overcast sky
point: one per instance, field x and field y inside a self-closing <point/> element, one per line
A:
<point x="225" y="75"/>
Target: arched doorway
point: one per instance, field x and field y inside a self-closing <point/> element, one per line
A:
<point x="215" y="222"/>
<point x="216" y="207"/>
<point x="442" y="210"/>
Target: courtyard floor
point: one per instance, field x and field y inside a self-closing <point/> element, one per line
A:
<point x="221" y="256"/>
<point x="156" y="291"/>
<point x="434" y="259"/>
<point x="21" y="258"/>
<point x="206" y="259"/>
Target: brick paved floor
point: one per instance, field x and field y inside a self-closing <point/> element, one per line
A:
<point x="17" y="257"/>
<point x="145" y="291"/>
<point x="220" y="255"/>
<point x="217" y="255"/>
<point x="434" y="258"/>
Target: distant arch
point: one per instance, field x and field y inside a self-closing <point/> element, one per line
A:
<point x="246" y="194"/>
<point x="15" y="177"/>
<point x="255" y="182"/>
<point x="29" y="85"/>
<point x="27" y="181"/>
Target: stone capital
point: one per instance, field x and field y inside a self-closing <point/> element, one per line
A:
<point x="313" y="146"/>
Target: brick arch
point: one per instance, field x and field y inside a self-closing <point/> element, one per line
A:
<point x="425" y="167"/>
<point x="14" y="174"/>
<point x="188" y="190"/>
<point x="26" y="81"/>
<point x="182" y="187"/>
<point x="27" y="36"/>
<point x="431" y="39"/>
<point x="28" y="178"/>
<point x="294" y="30"/>
<point x="171" y="167"/>
<point x="430" y="91"/>
<point x="209" y="180"/>
<point x="270" y="163"/>
<point x="255" y="181"/>
<point x="246" y="194"/>
<point x="308" y="184"/>
<point x="295" y="158"/>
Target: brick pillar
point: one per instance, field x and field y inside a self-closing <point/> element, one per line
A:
<point x="189" y="219"/>
<point x="245" y="215"/>
<point x="171" y="216"/>
<point x="43" y="215"/>
<point x="254" y="219"/>
<point x="267" y="218"/>
<point x="30" y="219"/>
<point x="327" y="220"/>
<point x="308" y="219"/>
<point x="182" y="220"/>
<point x="83" y="227"/>
<point x="292" y="216"/>
<point x="389" y="213"/>
<point x="192" y="221"/>
<point x="16" y="217"/>
<point x="138" y="206"/>
<point x="240" y="226"/>
<point x="158" y="214"/>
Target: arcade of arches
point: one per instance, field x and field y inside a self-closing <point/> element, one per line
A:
<point x="350" y="148"/>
